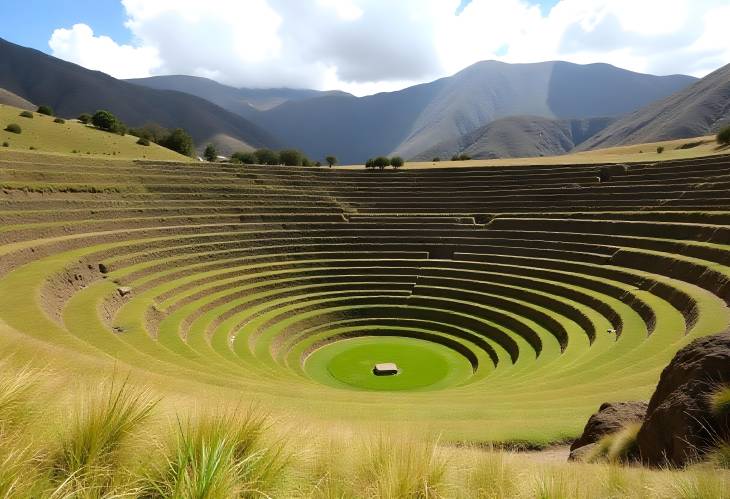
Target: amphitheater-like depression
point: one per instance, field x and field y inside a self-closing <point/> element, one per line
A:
<point x="513" y="301"/>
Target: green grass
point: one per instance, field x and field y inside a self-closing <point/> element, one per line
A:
<point x="421" y="364"/>
<point x="73" y="138"/>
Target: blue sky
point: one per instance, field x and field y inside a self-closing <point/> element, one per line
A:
<point x="366" y="46"/>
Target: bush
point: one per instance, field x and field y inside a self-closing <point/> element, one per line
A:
<point x="318" y="164"/>
<point x="266" y="157"/>
<point x="151" y="131"/>
<point x="143" y="141"/>
<point x="179" y="141"/>
<point x="291" y="157"/>
<point x="6" y="144"/>
<point x="660" y="149"/>
<point x="436" y="159"/>
<point x="331" y="161"/>
<point x="104" y="120"/>
<point x="464" y="157"/>
<point x="381" y="162"/>
<point x="26" y="114"/>
<point x="723" y="138"/>
<point x="13" y="128"/>
<point x="246" y="158"/>
<point x="85" y="118"/>
<point x="396" y="162"/>
<point x="60" y="121"/>
<point x="210" y="154"/>
<point x="370" y="163"/>
<point x="45" y="110"/>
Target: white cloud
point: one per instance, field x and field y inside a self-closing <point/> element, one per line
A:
<point x="365" y="46"/>
<point x="79" y="45"/>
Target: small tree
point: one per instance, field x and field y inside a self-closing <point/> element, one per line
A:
<point x="267" y="157"/>
<point x="85" y="118"/>
<point x="318" y="164"/>
<point x="396" y="162"/>
<point x="151" y="131"/>
<point x="26" y="114"/>
<point x="47" y="110"/>
<point x="104" y="120"/>
<point x="331" y="161"/>
<point x="370" y="163"/>
<point x="660" y="149"/>
<point x="381" y="162"/>
<point x="723" y="138"/>
<point x="290" y="157"/>
<point x="246" y="158"/>
<point x="179" y="141"/>
<point x="143" y="141"/>
<point x="14" y="128"/>
<point x="210" y="154"/>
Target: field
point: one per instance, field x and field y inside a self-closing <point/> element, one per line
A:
<point x="74" y="139"/>
<point x="514" y="300"/>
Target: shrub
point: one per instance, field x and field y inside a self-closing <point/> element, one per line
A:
<point x="291" y="157"/>
<point x="179" y="141"/>
<point x="143" y="141"/>
<point x="436" y="159"/>
<point x="150" y="131"/>
<point x="60" y="121"/>
<point x="45" y="110"/>
<point x="381" y="162"/>
<point x="318" y="164"/>
<point x="13" y="128"/>
<point x="267" y="157"/>
<point x="370" y="163"/>
<point x="396" y="162"/>
<point x="85" y="118"/>
<point x="723" y="138"/>
<point x="210" y="154"/>
<point x="26" y="114"/>
<point x="104" y="120"/>
<point x="331" y="161"/>
<point x="464" y="157"/>
<point x="6" y="144"/>
<point x="720" y="456"/>
<point x="306" y="161"/>
<point x="660" y="149"/>
<point x="246" y="158"/>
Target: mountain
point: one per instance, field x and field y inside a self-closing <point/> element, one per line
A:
<point x="242" y="101"/>
<point x="72" y="90"/>
<point x="700" y="109"/>
<point x="519" y="137"/>
<point x="10" y="99"/>
<point x="413" y="120"/>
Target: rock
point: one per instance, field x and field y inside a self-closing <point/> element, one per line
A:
<point x="608" y="172"/>
<point x="385" y="369"/>
<point x="610" y="418"/>
<point x="679" y="426"/>
<point x="124" y="290"/>
<point x="103" y="268"/>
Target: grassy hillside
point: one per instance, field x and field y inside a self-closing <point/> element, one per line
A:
<point x="673" y="149"/>
<point x="74" y="138"/>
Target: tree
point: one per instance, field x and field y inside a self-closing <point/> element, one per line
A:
<point x="45" y="110"/>
<point x="370" y="163"/>
<point x="436" y="159"/>
<point x="331" y="161"/>
<point x="723" y="138"/>
<point x="290" y="157"/>
<point x="143" y="141"/>
<point x="14" y="128"/>
<point x="381" y="162"/>
<point x="85" y="118"/>
<point x="396" y="162"/>
<point x="266" y="157"/>
<point x="246" y="158"/>
<point x="318" y="164"/>
<point x="179" y="141"/>
<point x="104" y="120"/>
<point x="151" y="131"/>
<point x="660" y="149"/>
<point x="210" y="153"/>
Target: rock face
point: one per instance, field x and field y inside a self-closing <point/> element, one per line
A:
<point x="679" y="425"/>
<point x="610" y="418"/>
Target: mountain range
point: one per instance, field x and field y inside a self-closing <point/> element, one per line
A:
<point x="490" y="109"/>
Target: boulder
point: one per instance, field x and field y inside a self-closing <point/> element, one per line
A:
<point x="124" y="290"/>
<point x="608" y="172"/>
<point x="610" y="418"/>
<point x="385" y="369"/>
<point x="679" y="426"/>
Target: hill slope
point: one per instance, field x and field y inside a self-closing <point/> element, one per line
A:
<point x="242" y="101"/>
<point x="413" y="120"/>
<point x="700" y="109"/>
<point x="43" y="134"/>
<point x="519" y="137"/>
<point x="71" y="90"/>
<point x="10" y="99"/>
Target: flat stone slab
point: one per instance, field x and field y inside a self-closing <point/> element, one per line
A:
<point x="385" y="369"/>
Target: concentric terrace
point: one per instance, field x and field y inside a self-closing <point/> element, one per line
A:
<point x="513" y="300"/>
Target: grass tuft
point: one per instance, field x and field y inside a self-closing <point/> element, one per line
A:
<point x="720" y="401"/>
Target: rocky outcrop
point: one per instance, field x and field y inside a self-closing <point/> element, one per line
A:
<point x="679" y="426"/>
<point x="610" y="418"/>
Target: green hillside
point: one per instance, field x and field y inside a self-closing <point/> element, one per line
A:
<point x="41" y="133"/>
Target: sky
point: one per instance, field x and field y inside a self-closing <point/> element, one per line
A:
<point x="367" y="46"/>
